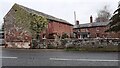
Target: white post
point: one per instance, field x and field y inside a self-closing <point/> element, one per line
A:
<point x="75" y="17"/>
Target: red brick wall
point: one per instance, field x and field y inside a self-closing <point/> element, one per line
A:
<point x="97" y="30"/>
<point x="101" y="31"/>
<point x="58" y="28"/>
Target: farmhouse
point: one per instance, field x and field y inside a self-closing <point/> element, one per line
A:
<point x="17" y="23"/>
<point x="94" y="30"/>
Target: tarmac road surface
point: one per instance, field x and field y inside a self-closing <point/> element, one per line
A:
<point x="53" y="57"/>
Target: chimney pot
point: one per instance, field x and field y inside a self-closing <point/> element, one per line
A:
<point x="91" y="19"/>
<point x="77" y="22"/>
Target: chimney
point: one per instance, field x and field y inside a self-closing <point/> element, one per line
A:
<point x="91" y="19"/>
<point x="77" y="22"/>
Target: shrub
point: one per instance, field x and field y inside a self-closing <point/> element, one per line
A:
<point x="64" y="36"/>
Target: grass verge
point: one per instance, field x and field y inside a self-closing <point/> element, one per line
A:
<point x="103" y="49"/>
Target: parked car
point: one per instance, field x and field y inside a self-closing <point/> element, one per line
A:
<point x="1" y="42"/>
<point x="1" y="38"/>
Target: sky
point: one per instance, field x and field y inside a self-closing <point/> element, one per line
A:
<point x="63" y="9"/>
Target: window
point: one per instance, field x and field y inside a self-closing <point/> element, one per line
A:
<point x="15" y="10"/>
<point x="85" y="36"/>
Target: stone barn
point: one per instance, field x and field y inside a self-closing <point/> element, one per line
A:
<point x="17" y="26"/>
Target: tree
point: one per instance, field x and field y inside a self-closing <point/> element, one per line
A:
<point x="37" y="25"/>
<point x="115" y="21"/>
<point x="103" y="15"/>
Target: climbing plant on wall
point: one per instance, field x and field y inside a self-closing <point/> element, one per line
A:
<point x="22" y="17"/>
<point x="38" y="24"/>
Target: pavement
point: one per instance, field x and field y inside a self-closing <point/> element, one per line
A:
<point x="53" y="57"/>
<point x="2" y="46"/>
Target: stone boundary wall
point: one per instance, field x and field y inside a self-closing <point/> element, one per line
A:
<point x="17" y="44"/>
<point x="64" y="43"/>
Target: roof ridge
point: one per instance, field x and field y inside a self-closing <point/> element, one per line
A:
<point x="95" y="24"/>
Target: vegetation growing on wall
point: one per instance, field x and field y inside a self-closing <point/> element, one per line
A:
<point x="22" y="17"/>
<point x="31" y="22"/>
<point x="37" y="24"/>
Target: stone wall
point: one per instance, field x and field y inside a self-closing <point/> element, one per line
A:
<point x="65" y="43"/>
<point x="18" y="44"/>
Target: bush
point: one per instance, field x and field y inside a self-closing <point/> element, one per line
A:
<point x="64" y="36"/>
<point x="64" y="41"/>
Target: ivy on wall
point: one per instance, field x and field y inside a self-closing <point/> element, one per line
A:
<point x="38" y="24"/>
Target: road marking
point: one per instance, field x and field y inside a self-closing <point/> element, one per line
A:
<point x="100" y="60"/>
<point x="8" y="57"/>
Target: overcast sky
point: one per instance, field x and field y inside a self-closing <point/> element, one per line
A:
<point x="63" y="9"/>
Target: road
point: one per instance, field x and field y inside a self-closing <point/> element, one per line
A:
<point x="40" y="57"/>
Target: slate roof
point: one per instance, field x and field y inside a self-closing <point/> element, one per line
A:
<point x="49" y="17"/>
<point x="94" y="24"/>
